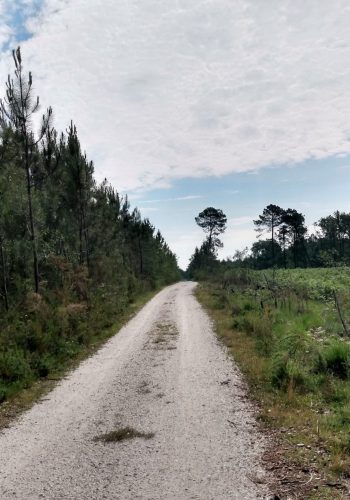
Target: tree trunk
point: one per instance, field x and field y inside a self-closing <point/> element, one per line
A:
<point x="4" y="277"/>
<point x="31" y="223"/>
<point x="284" y="252"/>
<point x="141" y="256"/>
<point x="81" y="257"/>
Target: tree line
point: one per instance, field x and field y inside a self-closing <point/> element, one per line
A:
<point x="54" y="217"/>
<point x="73" y="255"/>
<point x="288" y="244"/>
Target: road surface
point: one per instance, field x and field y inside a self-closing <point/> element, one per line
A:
<point x="164" y="374"/>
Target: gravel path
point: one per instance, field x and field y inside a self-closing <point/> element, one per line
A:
<point x="164" y="373"/>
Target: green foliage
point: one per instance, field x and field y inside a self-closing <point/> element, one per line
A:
<point x="73" y="256"/>
<point x="203" y="262"/>
<point x="291" y="316"/>
<point x="287" y="374"/>
<point x="283" y="328"/>
<point x="289" y="245"/>
<point x="336" y="356"/>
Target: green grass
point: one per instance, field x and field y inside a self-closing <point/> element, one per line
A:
<point x="289" y="343"/>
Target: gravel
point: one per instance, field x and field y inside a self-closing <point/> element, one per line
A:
<point x="166" y="379"/>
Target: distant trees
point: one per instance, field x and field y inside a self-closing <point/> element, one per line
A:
<point x="213" y="222"/>
<point x="334" y="231"/>
<point x="288" y="245"/>
<point x="269" y="221"/>
<point x="287" y="228"/>
<point x="294" y="222"/>
<point x="329" y="246"/>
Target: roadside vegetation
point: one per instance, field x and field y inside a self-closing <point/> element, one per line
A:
<point x="291" y="346"/>
<point x="74" y="257"/>
<point x="289" y="331"/>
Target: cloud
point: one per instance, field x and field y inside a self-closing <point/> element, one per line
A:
<point x="236" y="238"/>
<point x="241" y="221"/>
<point x="165" y="90"/>
<point x="178" y="198"/>
<point x="14" y="16"/>
<point x="148" y="209"/>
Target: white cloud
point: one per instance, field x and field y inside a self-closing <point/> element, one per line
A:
<point x="237" y="238"/>
<point x="165" y="90"/>
<point x="241" y="221"/>
<point x="178" y="198"/>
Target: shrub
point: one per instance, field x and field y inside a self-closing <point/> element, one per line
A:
<point x="40" y="365"/>
<point x="14" y="366"/>
<point x="336" y="357"/>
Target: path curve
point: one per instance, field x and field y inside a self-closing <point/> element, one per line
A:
<point x="163" y="373"/>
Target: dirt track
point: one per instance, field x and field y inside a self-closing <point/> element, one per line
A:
<point x="164" y="373"/>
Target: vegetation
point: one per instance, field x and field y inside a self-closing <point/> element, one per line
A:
<point x="288" y="328"/>
<point x="73" y="256"/>
<point x="213" y="222"/>
<point x="284" y="329"/>
<point x="289" y="245"/>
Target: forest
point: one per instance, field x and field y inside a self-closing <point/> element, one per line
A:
<point x="288" y="244"/>
<point x="73" y="255"/>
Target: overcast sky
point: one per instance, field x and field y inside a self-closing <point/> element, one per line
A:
<point x="185" y="104"/>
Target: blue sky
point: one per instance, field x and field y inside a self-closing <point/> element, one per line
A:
<point x="188" y="104"/>
<point x="314" y="187"/>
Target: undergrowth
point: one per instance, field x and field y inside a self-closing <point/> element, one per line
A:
<point x="42" y="339"/>
<point x="290" y="345"/>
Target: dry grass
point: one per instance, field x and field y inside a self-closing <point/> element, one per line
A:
<point x="123" y="434"/>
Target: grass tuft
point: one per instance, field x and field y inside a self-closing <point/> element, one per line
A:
<point x="123" y="434"/>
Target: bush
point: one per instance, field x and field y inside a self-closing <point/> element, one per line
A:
<point x="14" y="366"/>
<point x="336" y="359"/>
<point x="40" y="365"/>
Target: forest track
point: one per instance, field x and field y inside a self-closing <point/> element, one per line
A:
<point x="164" y="374"/>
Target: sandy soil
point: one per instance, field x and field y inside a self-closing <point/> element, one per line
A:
<point x="164" y="373"/>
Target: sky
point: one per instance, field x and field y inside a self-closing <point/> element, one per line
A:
<point x="227" y="103"/>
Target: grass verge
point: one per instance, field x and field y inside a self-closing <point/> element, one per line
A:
<point x="308" y="425"/>
<point x="24" y="398"/>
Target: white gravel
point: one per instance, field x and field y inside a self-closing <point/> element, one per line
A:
<point x="165" y="373"/>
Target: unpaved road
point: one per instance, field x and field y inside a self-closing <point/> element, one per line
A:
<point x="164" y="373"/>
